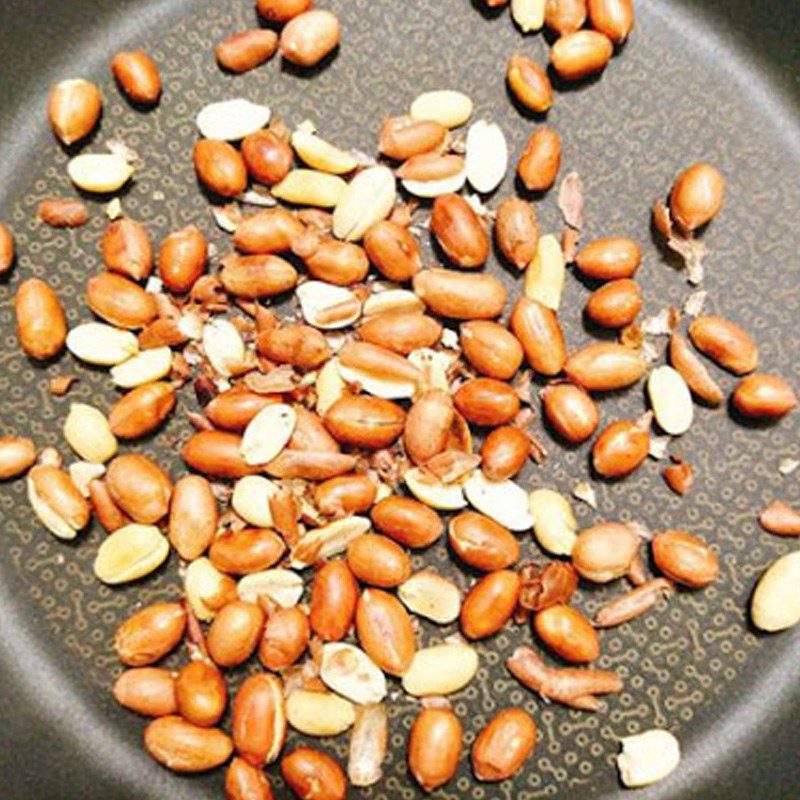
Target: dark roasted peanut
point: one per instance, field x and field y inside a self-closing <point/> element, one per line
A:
<point x="220" y="167"/>
<point x="491" y="349"/>
<point x="126" y="249"/>
<point x="486" y="401"/>
<point x="609" y="259"/>
<point x="201" y="694"/>
<point x="235" y="632"/>
<point x="621" y="447"/>
<point x="504" y="453"/>
<point x="516" y="231"/>
<point x="41" y="322"/>
<point x="490" y="604"/>
<point x="313" y="775"/>
<point x="183" y="747"/>
<point x="481" y="542"/>
<point x="268" y="159"/>
<point x="393" y="250"/>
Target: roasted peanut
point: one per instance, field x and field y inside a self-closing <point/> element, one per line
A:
<point x="7" y="248"/>
<point x="235" y="633"/>
<point x="540" y="160"/>
<point x="516" y="231"/>
<point x="504" y="745"/>
<point x="17" y="456"/>
<point x="486" y="401"/>
<point x="142" y="410"/>
<point x="63" y="212"/>
<point x="233" y="409"/>
<point x="150" y="634"/>
<point x="482" y="543"/>
<point x="365" y="421"/>
<point x="490" y="604"/>
<point x="609" y="259"/>
<point x="538" y="331"/>
<point x="346" y="494"/>
<point x="393" y="250"/>
<point x="694" y="372"/>
<point x="686" y="559"/>
<point x="258" y="719"/>
<point x="491" y="349"/>
<point x="137" y="75"/>
<point x="148" y="691"/>
<point x="200" y="694"/>
<point x="126" y="249"/>
<point x="269" y="160"/>
<point x="246" y="50"/>
<point x="384" y="631"/>
<point x="434" y="747"/>
<point x="614" y="18"/>
<point x="334" y="595"/>
<point x="183" y="747"/>
<point x="402" y="332"/>
<point x="139" y="487"/>
<point x="605" y="552"/>
<point x="529" y="83"/>
<point x="460" y="296"/>
<point x="605" y="367"/>
<point x="621" y="447"/>
<point x="41" y="322"/>
<point x="428" y="425"/>
<point x="220" y="167"/>
<point x="73" y="108"/>
<point x="216" y="454"/>
<point x="580" y="54"/>
<point x="565" y="16"/>
<point x="697" y="196"/>
<point x="119" y="301"/>
<point x="309" y="37"/>
<point x="567" y="633"/>
<point x="282" y="10"/>
<point x="257" y="276"/>
<point x="407" y="521"/>
<point x="504" y="453"/>
<point x="402" y="138"/>
<point x="764" y="396"/>
<point x="615" y="305"/>
<point x="313" y="775"/>
<point x="182" y="259"/>
<point x="725" y="343"/>
<point x="285" y="638"/>
<point x="459" y="231"/>
<point x="340" y="263"/>
<point x="571" y="411"/>
<point x="243" y="781"/>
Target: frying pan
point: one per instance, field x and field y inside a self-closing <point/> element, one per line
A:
<point x="713" y="79"/>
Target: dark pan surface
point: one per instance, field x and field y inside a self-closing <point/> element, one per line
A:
<point x="708" y="79"/>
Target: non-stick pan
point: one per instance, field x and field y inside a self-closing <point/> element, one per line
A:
<point x="714" y="79"/>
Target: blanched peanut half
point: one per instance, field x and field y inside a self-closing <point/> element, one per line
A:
<point x="671" y="400"/>
<point x="430" y="595"/>
<point x="144" y="367"/>
<point x="223" y="345"/>
<point x="487" y="156"/>
<point x="57" y="502"/>
<point x="318" y="153"/>
<point x="434" y="493"/>
<point x="326" y="306"/>
<point x="351" y="673"/>
<point x="99" y="173"/>
<point x="268" y="433"/>
<point x="554" y="522"/>
<point x="528" y="14"/>
<point x="544" y="278"/>
<point x="101" y="345"/>
<point x="282" y="586"/>
<point x="207" y="589"/>
<point x="503" y="501"/>
<point x="88" y="433"/>
<point x="446" y="106"/>
<point x="776" y="601"/>
<point x="440" y="669"/>
<point x="130" y="553"/>
<point x="647" y="757"/>
<point x="231" y="120"/>
<point x="310" y="188"/>
<point x="319" y="713"/>
<point x="327" y="541"/>
<point x="367" y="200"/>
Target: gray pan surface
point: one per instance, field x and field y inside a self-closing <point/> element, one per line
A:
<point x="713" y="79"/>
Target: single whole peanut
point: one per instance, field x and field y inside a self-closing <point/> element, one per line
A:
<point x="119" y="301"/>
<point x="201" y="694"/>
<point x="148" y="691"/>
<point x="612" y="258"/>
<point x="487" y="402"/>
<point x="41" y="322"/>
<point x="220" y="167"/>
<point x="137" y="75"/>
<point x="577" y="55"/>
<point x="126" y="249"/>
<point x="313" y="775"/>
<point x="504" y="453"/>
<point x="393" y="251"/>
<point x="402" y="332"/>
<point x="345" y="494"/>
<point x="244" y="551"/>
<point x="299" y="345"/>
<point x="540" y="160"/>
<point x="529" y="83"/>
<point x="384" y="630"/>
<point x="434" y="747"/>
<point x="258" y="719"/>
<point x="616" y="304"/>
<point x="538" y="331"/>
<point x="73" y="108"/>
<point x="504" y="745"/>
<point x="139" y="487"/>
<point x="285" y="638"/>
<point x="428" y="426"/>
<point x="257" y="276"/>
<point x="614" y="18"/>
<point x="246" y="50"/>
<point x="365" y="421"/>
<point x="605" y="367"/>
<point x="516" y="231"/>
<point x="565" y="16"/>
<point x="268" y="159"/>
<point x="571" y="411"/>
<point x="431" y="167"/>
<point x="233" y="409"/>
<point x="216" y="454"/>
<point x="763" y="396"/>
<point x="142" y="410"/>
<point x="235" y="632"/>
<point x="693" y="371"/>
<point x="63" y="212"/>
<point x="341" y="263"/>
<point x="697" y="196"/>
<point x="378" y="561"/>
<point x="491" y="349"/>
<point x="148" y="635"/>
<point x="725" y="343"/>
<point x="460" y="296"/>
<point x="621" y="448"/>
<point x="482" y="543"/>
<point x="182" y="259"/>
<point x="183" y="747"/>
<point x="459" y="231"/>
<point x="334" y="595"/>
<point x="282" y="10"/>
<point x="490" y="604"/>
<point x="567" y="633"/>
<point x="7" y="248"/>
<point x="309" y="37"/>
<point x="686" y="559"/>
<point x="407" y="521"/>
<point x="243" y="781"/>
<point x="402" y="138"/>
<point x="17" y="456"/>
